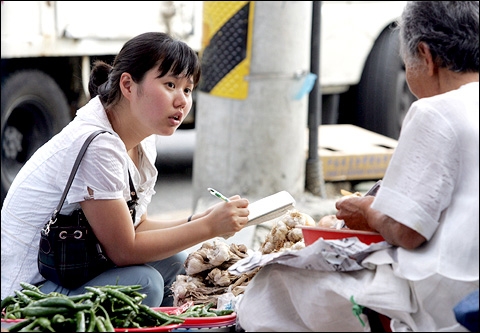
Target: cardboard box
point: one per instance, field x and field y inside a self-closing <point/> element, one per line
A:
<point x="350" y="152"/>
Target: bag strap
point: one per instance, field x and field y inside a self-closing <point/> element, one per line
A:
<point x="74" y="171"/>
<point x="82" y="151"/>
<point x="133" y="191"/>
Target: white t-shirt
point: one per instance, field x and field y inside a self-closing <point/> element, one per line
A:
<point x="434" y="177"/>
<point x="37" y="188"/>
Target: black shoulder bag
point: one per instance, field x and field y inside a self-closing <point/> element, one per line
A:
<point x="69" y="253"/>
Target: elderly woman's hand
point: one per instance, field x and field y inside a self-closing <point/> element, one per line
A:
<point x="352" y="210"/>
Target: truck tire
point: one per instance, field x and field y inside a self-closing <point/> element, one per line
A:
<point x="383" y="95"/>
<point x="34" y="108"/>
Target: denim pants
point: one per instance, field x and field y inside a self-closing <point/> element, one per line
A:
<point x="155" y="277"/>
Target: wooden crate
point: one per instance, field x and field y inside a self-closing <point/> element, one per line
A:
<point x="350" y="152"/>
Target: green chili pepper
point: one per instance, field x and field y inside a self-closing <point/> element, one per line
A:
<point x="58" y="319"/>
<point x="28" y="286"/>
<point x="81" y="297"/>
<point x="189" y="314"/>
<point x="55" y="294"/>
<point x="208" y="306"/>
<point x="45" y="323"/>
<point x="108" y="325"/>
<point x="136" y="325"/>
<point x="54" y="302"/>
<point x="100" y="324"/>
<point x="122" y="297"/>
<point x="84" y="306"/>
<point x="33" y="311"/>
<point x="106" y="322"/>
<point x="221" y="312"/>
<point x="98" y="292"/>
<point x="161" y="316"/>
<point x="13" y="310"/>
<point x="22" y="297"/>
<point x="128" y="319"/>
<point x="195" y="308"/>
<point x="124" y="308"/>
<point x="10" y="316"/>
<point x="7" y="301"/>
<point x="124" y="288"/>
<point x="92" y="322"/>
<point x="193" y="311"/>
<point x="31" y="327"/>
<point x="168" y="322"/>
<point x="17" y="327"/>
<point x="204" y="312"/>
<point x="35" y="295"/>
<point x="80" y="319"/>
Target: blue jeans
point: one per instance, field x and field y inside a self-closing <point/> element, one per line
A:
<point x="155" y="277"/>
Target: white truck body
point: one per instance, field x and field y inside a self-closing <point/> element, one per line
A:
<point x="47" y="48"/>
<point x="91" y="28"/>
<point x="83" y="28"/>
<point x="349" y="30"/>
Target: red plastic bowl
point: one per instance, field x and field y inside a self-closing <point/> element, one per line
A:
<point x="202" y="322"/>
<point x="7" y="323"/>
<point x="311" y="234"/>
<point x="166" y="328"/>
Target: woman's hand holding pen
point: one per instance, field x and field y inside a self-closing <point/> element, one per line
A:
<point x="229" y="217"/>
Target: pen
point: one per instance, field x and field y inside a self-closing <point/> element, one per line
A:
<point x="373" y="191"/>
<point x="218" y="194"/>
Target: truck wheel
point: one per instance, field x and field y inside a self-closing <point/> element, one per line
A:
<point x="383" y="95"/>
<point x="34" y="109"/>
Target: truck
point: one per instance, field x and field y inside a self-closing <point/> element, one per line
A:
<point x="48" y="48"/>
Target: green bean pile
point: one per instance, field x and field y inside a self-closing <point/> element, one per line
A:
<point x="100" y="309"/>
<point x="204" y="310"/>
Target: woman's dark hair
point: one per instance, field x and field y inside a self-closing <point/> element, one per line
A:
<point x="449" y="28"/>
<point x="138" y="56"/>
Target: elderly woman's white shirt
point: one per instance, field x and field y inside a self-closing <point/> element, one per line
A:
<point x="434" y="177"/>
<point x="431" y="185"/>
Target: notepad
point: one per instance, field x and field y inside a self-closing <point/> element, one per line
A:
<point x="270" y="207"/>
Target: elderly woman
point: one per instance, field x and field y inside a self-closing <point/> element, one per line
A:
<point x="426" y="208"/>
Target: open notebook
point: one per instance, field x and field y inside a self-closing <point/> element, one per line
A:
<point x="270" y="207"/>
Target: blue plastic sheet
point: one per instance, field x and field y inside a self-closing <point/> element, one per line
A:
<point x="466" y="312"/>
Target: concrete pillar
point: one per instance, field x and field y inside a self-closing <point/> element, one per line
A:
<point x="254" y="143"/>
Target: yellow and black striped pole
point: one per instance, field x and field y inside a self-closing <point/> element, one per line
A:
<point x="226" y="48"/>
<point x="251" y="111"/>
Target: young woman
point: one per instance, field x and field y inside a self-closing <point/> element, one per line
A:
<point x="427" y="207"/>
<point x="147" y="92"/>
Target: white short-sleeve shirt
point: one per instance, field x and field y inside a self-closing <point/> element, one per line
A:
<point x="431" y="185"/>
<point x="37" y="188"/>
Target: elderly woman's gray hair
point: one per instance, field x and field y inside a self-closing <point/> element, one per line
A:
<point x="449" y="28"/>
